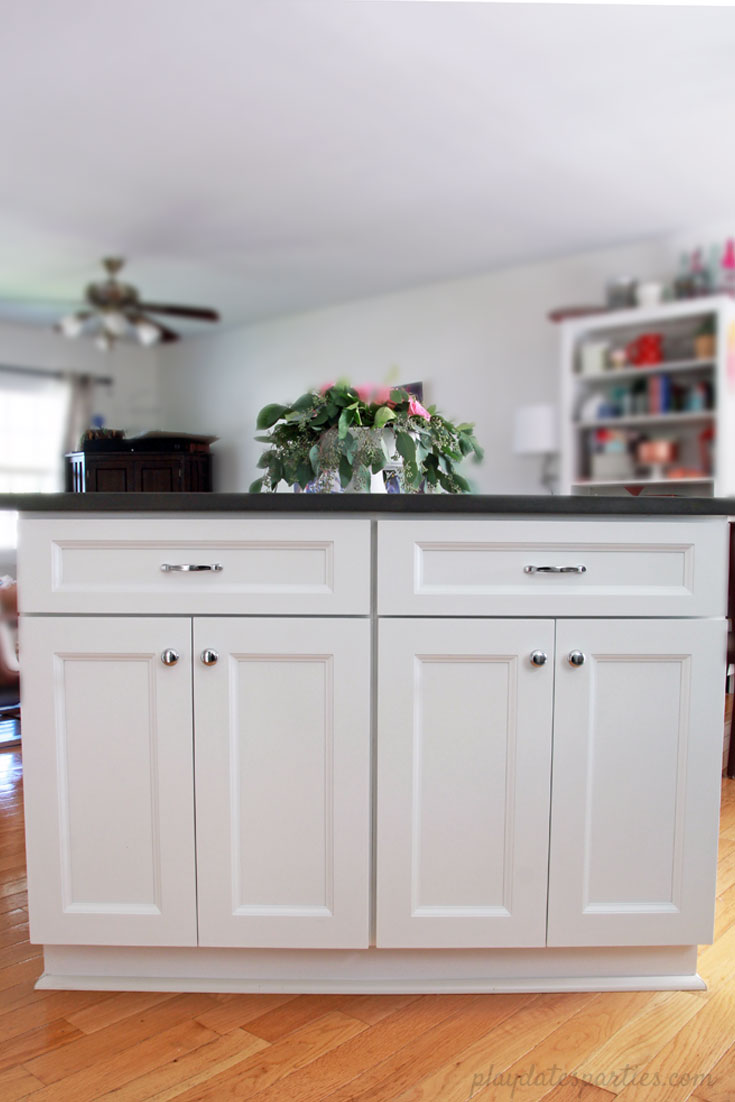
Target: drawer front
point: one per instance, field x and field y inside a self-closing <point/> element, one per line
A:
<point x="556" y="568"/>
<point x="289" y="566"/>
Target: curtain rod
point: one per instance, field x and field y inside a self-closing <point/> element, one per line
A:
<point x="49" y="373"/>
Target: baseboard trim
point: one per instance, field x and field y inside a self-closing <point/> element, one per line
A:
<point x="379" y="971"/>
<point x="51" y="982"/>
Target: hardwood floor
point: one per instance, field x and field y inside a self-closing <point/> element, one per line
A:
<point x="82" y="1046"/>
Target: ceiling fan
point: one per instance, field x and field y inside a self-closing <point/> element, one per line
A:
<point x="114" y="310"/>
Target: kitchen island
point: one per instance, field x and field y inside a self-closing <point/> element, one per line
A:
<point x="388" y="743"/>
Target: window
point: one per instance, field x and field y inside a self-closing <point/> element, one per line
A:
<point x="34" y="415"/>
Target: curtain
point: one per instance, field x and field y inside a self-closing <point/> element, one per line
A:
<point x="80" y="409"/>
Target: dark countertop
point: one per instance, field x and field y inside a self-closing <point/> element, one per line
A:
<point x="388" y="504"/>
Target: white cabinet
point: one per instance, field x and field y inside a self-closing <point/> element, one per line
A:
<point x="282" y="779"/>
<point x="465" y="778"/>
<point x="464" y="759"/>
<point x="637" y="752"/>
<point x="352" y="775"/>
<point x="282" y="723"/>
<point x="107" y="738"/>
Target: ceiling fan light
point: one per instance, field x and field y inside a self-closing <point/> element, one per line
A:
<point x="71" y="325"/>
<point x="115" y="323"/>
<point x="148" y="333"/>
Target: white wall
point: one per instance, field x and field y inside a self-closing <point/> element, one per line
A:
<point x="481" y="345"/>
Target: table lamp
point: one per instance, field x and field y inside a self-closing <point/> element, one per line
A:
<point x="535" y="432"/>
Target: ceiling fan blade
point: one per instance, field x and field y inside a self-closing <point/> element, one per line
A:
<point x="198" y="313"/>
<point x="167" y="335"/>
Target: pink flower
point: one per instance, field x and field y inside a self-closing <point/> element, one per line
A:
<point x="381" y="396"/>
<point x="325" y="387"/>
<point x="415" y="409"/>
<point x="364" y="392"/>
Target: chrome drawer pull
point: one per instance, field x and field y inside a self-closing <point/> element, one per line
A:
<point x="189" y="567"/>
<point x="538" y="658"/>
<point x="554" y="569"/>
<point x="170" y="657"/>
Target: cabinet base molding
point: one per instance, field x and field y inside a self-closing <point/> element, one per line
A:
<point x="370" y="971"/>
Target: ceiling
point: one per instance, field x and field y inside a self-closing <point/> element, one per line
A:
<point x="270" y="156"/>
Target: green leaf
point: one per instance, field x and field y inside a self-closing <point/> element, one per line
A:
<point x="465" y="427"/>
<point x="344" y="423"/>
<point x="256" y="487"/>
<point x="398" y="394"/>
<point x="462" y="483"/>
<point x="269" y="415"/>
<point x="349" y="447"/>
<point x="264" y="439"/>
<point x="306" y="401"/>
<point x="464" y="445"/>
<point x="345" y="471"/>
<point x="378" y="462"/>
<point x="383" y="416"/>
<point x="304" y="473"/>
<point x="275" y="470"/>
<point x="265" y="459"/>
<point x="314" y="458"/>
<point x="406" y="447"/>
<point x="479" y="452"/>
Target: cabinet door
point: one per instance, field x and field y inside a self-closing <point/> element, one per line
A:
<point x="636" y="779"/>
<point x="107" y="755"/>
<point x="282" y="737"/>
<point x="464" y="756"/>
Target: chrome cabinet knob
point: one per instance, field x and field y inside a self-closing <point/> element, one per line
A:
<point x="170" y="657"/>
<point x="538" y="658"/>
<point x="209" y="657"/>
<point x="576" y="658"/>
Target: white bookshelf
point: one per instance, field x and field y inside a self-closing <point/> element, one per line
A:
<point x="677" y="322"/>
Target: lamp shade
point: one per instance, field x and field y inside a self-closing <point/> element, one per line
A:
<point x="535" y="429"/>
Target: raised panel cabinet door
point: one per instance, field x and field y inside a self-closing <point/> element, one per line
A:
<point x="282" y="736"/>
<point x="464" y="757"/>
<point x="638" y="730"/>
<point x="107" y="757"/>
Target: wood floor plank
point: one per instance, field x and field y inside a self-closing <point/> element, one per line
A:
<point x="114" y="1008"/>
<point x="726" y="868"/>
<point x="431" y="1049"/>
<point x="188" y="1071"/>
<point x="514" y="1037"/>
<point x="324" y="1075"/>
<point x="105" y="1075"/>
<point x="237" y="1011"/>
<point x="373" y="1008"/>
<point x="576" y="1090"/>
<point x="264" y="1069"/>
<point x="46" y="1039"/>
<point x="284" y="1019"/>
<point x="720" y="1083"/>
<point x="552" y="1060"/>
<point x="725" y="911"/>
<point x="89" y="1048"/>
<point x="16" y="1083"/>
<point x="640" y="1039"/>
<point x="693" y="1051"/>
<point x="21" y="972"/>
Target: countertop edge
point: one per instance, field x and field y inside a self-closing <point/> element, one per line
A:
<point x="382" y="504"/>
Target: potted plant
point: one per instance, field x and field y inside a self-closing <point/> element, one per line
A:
<point x="340" y="436"/>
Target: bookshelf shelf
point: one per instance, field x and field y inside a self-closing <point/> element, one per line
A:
<point x="632" y="420"/>
<point x="625" y="374"/>
<point x="650" y="403"/>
